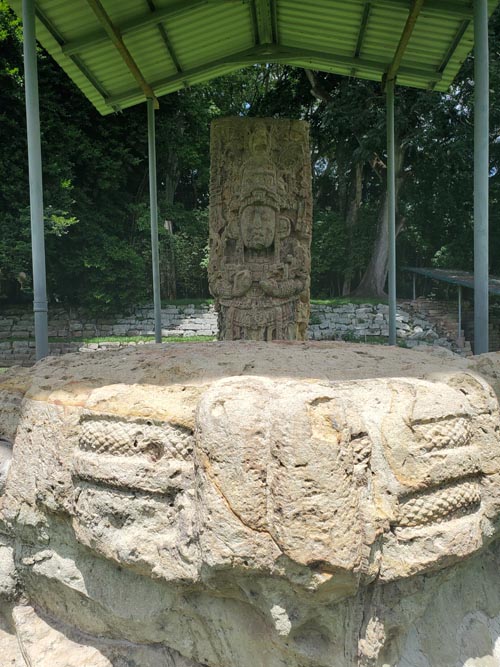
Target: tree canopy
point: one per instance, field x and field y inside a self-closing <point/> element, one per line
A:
<point x="96" y="186"/>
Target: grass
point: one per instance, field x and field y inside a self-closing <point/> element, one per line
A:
<point x="187" y="302"/>
<point x="345" y="300"/>
<point x="134" y="339"/>
<point x="334" y="301"/>
<point x="118" y="339"/>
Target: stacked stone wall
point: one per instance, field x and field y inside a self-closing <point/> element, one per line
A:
<point x="346" y="322"/>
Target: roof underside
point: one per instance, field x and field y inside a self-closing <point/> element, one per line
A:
<point x="458" y="277"/>
<point x="178" y="43"/>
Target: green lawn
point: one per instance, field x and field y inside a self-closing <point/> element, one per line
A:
<point x="187" y="302"/>
<point x="345" y="300"/>
<point x="134" y="339"/>
<point x="336" y="301"/>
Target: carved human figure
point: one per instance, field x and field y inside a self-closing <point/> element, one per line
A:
<point x="260" y="228"/>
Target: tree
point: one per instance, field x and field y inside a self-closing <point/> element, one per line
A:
<point x="96" y="178"/>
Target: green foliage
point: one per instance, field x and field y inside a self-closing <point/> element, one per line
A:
<point x="330" y="261"/>
<point x="96" y="182"/>
<point x="185" y="248"/>
<point x="190" y="250"/>
<point x="95" y="186"/>
<point x="327" y="252"/>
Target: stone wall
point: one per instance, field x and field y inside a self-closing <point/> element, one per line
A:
<point x="346" y="322"/>
<point x="366" y="321"/>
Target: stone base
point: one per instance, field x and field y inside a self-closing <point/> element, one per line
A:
<point x="253" y="505"/>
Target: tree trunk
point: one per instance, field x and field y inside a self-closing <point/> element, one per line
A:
<point x="351" y="219"/>
<point x="171" y="180"/>
<point x="372" y="283"/>
<point x="168" y="272"/>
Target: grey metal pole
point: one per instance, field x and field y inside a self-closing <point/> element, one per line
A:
<point x="459" y="335"/>
<point x="391" y="211"/>
<point x="153" y="203"/>
<point x="35" y="180"/>
<point x="414" y="287"/>
<point x="481" y="173"/>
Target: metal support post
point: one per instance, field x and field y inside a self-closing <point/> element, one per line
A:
<point x="414" y="287"/>
<point x="481" y="173"/>
<point x="391" y="211"/>
<point x="35" y="181"/>
<point x="153" y="203"/>
<point x="459" y="334"/>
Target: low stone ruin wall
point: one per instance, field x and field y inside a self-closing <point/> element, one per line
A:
<point x="189" y="320"/>
<point x="17" y="345"/>
<point x="346" y="322"/>
<point x="367" y="321"/>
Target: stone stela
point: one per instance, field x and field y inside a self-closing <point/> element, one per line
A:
<point x="260" y="228"/>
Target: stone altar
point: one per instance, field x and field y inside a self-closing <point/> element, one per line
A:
<point x="250" y="505"/>
<point x="260" y="227"/>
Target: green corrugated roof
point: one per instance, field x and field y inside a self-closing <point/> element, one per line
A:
<point x="456" y="277"/>
<point x="176" y="43"/>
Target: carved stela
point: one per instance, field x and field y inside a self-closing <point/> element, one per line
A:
<point x="260" y="228"/>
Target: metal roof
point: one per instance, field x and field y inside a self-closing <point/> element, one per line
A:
<point x="117" y="50"/>
<point x="464" y="278"/>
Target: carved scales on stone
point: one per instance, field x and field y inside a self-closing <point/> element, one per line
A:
<point x="260" y="228"/>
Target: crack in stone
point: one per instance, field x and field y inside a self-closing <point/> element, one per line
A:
<point x="207" y="468"/>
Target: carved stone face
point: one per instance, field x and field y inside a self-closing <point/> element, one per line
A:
<point x="259" y="140"/>
<point x="258" y="226"/>
<point x="273" y="498"/>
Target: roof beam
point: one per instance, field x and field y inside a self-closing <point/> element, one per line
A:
<point x="115" y="36"/>
<point x="264" y="20"/>
<point x="362" y="29"/>
<point x="288" y="54"/>
<point x="166" y="40"/>
<point x="143" y="20"/>
<point x="255" y="27"/>
<point x="274" y="18"/>
<point x="445" y="8"/>
<point x="453" y="46"/>
<point x="274" y="54"/>
<point x="56" y="36"/>
<point x="415" y="10"/>
<point x="242" y="58"/>
<point x="169" y="47"/>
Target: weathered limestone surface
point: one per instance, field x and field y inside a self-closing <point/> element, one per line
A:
<point x="260" y="227"/>
<point x="250" y="505"/>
